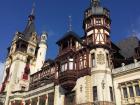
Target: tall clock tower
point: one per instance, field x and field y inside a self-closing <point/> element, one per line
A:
<point x="25" y="51"/>
<point x="97" y="29"/>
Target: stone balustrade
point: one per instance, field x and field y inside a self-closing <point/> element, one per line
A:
<point x="126" y="67"/>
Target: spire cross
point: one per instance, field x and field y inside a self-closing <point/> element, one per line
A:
<point x="70" y="24"/>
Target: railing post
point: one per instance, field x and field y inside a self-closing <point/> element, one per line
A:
<point x="135" y="62"/>
<point x="123" y="66"/>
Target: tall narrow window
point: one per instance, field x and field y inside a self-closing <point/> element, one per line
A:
<point x="137" y="90"/>
<point x="81" y="63"/>
<point x="95" y="95"/>
<point x="42" y="100"/>
<point x="51" y="99"/>
<point x="71" y="64"/>
<point x="125" y="92"/>
<point x="111" y="93"/>
<point x="93" y="59"/>
<point x="131" y="91"/>
<point x="85" y="61"/>
<point x="64" y="67"/>
<point x="34" y="101"/>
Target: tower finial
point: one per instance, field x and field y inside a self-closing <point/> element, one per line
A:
<point x="95" y="3"/>
<point x="33" y="9"/>
<point x="32" y="14"/>
<point x="70" y="24"/>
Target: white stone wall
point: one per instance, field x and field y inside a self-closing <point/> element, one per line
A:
<point x="59" y="96"/>
<point x="81" y="90"/>
<point x="41" y="56"/>
<point x="101" y="73"/>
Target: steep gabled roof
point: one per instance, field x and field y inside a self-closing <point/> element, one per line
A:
<point x="30" y="27"/>
<point x="69" y="34"/>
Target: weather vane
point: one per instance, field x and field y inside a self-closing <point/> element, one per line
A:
<point x="33" y="9"/>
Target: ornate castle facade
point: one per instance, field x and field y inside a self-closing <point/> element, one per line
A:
<point x="88" y="70"/>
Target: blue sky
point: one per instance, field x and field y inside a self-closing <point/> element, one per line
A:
<point x="52" y="17"/>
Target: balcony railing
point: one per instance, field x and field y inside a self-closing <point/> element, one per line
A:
<point x="132" y="100"/>
<point x="66" y="50"/>
<point x="84" y="72"/>
<point x="126" y="67"/>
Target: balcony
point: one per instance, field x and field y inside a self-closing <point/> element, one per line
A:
<point x="67" y="79"/>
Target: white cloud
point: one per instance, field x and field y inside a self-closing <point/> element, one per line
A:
<point x="1" y="71"/>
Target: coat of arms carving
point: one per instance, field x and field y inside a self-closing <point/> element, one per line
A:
<point x="100" y="58"/>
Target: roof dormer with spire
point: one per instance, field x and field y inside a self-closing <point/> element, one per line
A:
<point x="30" y="27"/>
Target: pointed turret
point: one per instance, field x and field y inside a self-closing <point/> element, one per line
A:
<point x="41" y="55"/>
<point x="30" y="27"/>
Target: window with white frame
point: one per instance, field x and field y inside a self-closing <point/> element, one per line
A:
<point x="71" y="63"/>
<point x="64" y="67"/>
